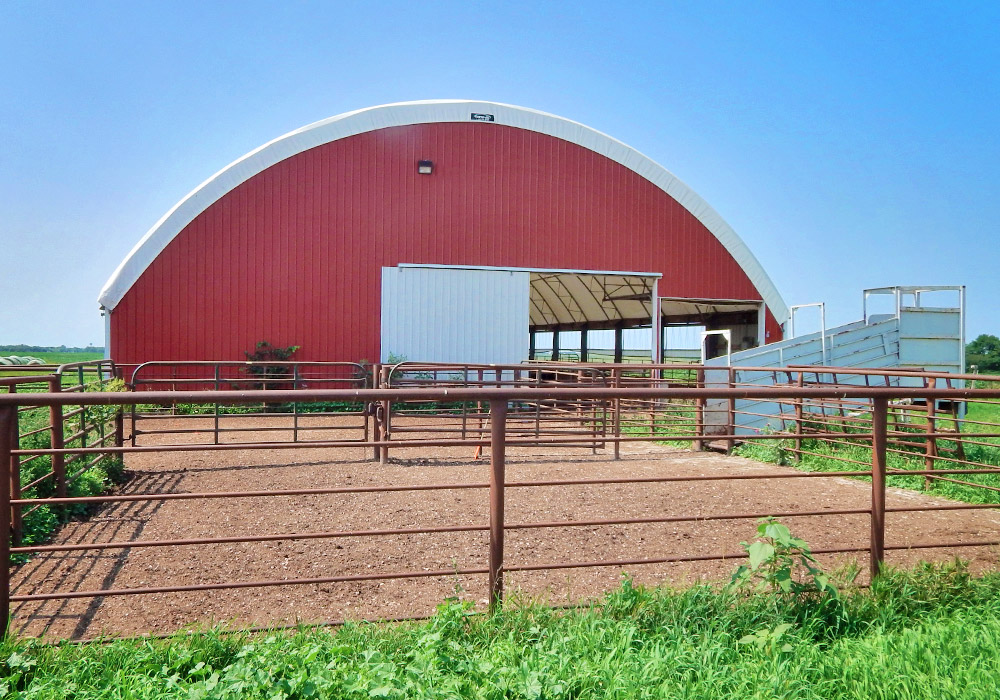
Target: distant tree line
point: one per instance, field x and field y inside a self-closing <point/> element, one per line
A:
<point x="983" y="353"/>
<point x="44" y="348"/>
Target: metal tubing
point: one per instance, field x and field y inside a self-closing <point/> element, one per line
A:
<point x="780" y="393"/>
<point x="433" y="487"/>
<point x="58" y="459"/>
<point x="457" y="442"/>
<point x="498" y="424"/>
<point x="14" y="477"/>
<point x="798" y="421"/>
<point x="879" y="424"/>
<point x="731" y="413"/>
<point x="246" y="584"/>
<point x="8" y="424"/>
<point x="127" y="544"/>
<point x="698" y="444"/>
<point x="931" y="446"/>
<point x="616" y="378"/>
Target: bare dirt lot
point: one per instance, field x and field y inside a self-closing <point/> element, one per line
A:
<point x="255" y="469"/>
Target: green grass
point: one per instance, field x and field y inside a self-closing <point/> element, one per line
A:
<point x="829" y="456"/>
<point x="931" y="633"/>
<point x="60" y="358"/>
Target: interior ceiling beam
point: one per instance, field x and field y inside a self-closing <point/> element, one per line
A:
<point x="630" y="297"/>
<point x="628" y="323"/>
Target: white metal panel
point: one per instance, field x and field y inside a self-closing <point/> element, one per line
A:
<point x="931" y="339"/>
<point x="454" y="315"/>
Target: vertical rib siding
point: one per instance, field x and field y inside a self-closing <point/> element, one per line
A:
<point x="293" y="255"/>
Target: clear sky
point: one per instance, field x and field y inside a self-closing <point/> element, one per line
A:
<point x="850" y="145"/>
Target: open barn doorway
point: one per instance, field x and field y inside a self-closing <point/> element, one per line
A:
<point x="693" y="328"/>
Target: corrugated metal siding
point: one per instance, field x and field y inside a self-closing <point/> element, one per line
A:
<point x="293" y="255"/>
<point x="474" y="316"/>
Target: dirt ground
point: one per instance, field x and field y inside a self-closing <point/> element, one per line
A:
<point x="248" y="469"/>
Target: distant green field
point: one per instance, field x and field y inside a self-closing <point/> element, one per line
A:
<point x="60" y="358"/>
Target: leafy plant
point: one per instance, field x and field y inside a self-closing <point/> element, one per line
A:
<point x="781" y="563"/>
<point x="271" y="376"/>
<point x="770" y="641"/>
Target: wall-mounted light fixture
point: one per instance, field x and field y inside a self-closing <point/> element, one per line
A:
<point x="425" y="167"/>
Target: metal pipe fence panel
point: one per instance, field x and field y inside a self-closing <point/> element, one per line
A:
<point x="877" y="431"/>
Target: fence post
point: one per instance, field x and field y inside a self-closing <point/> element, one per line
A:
<point x="384" y="423"/>
<point x="798" y="419"/>
<point x="731" y="415"/>
<point x="215" y="411"/>
<point x="931" y="446"/>
<point x="699" y="413"/>
<point x="8" y="424"/>
<point x="58" y="460"/>
<point x="372" y="408"/>
<point x="120" y="427"/>
<point x="14" y="478"/>
<point x="295" y="404"/>
<point x="879" y="425"/>
<point x="498" y="445"/>
<point x="616" y="381"/>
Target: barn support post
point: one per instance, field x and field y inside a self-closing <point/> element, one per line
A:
<point x="583" y="346"/>
<point x="498" y="425"/>
<point x="56" y="421"/>
<point x="656" y="325"/>
<point x="555" y="345"/>
<point x="618" y="345"/>
<point x="8" y="424"/>
<point x="931" y="457"/>
<point x="531" y="344"/>
<point x="697" y="445"/>
<point x="880" y="411"/>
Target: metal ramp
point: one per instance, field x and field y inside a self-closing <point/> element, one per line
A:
<point x="912" y="334"/>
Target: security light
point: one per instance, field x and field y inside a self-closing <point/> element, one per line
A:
<point x="425" y="167"/>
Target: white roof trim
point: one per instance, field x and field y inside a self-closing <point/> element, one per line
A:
<point x="426" y="112"/>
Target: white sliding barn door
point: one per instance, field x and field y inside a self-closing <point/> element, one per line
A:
<point x="454" y="315"/>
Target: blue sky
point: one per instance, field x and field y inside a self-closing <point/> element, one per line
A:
<point x="849" y="145"/>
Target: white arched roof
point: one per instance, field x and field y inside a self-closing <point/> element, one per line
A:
<point x="426" y="112"/>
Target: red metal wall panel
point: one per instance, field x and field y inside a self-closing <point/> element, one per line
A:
<point x="293" y="255"/>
